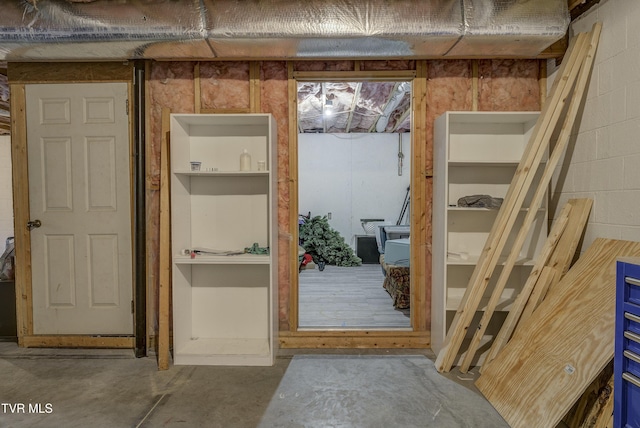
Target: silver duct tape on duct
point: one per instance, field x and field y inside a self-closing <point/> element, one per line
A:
<point x="496" y="28"/>
<point x="42" y="30"/>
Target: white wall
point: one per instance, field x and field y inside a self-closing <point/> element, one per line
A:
<point x="352" y="176"/>
<point x="603" y="161"/>
<point x="6" y="194"/>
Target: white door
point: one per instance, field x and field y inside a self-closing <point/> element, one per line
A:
<point x="79" y="191"/>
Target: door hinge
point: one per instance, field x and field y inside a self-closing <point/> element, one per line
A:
<point x="127" y="106"/>
<point x="132" y="307"/>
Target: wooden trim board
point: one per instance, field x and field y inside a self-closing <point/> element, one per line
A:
<point x="563" y="346"/>
<point x="78" y="341"/>
<point x="565" y="248"/>
<point x="164" y="292"/>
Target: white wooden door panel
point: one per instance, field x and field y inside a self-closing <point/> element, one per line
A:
<point x="78" y="150"/>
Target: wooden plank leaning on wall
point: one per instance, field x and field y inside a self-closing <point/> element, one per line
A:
<point x="571" y="71"/>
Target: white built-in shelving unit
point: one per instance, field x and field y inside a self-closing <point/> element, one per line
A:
<point x="476" y="153"/>
<point x="224" y="300"/>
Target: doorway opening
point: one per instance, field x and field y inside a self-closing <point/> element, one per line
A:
<point x="354" y="179"/>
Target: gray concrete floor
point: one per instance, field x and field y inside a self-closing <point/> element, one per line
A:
<point x="110" y="388"/>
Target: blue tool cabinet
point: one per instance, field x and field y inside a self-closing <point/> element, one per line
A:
<point x="626" y="394"/>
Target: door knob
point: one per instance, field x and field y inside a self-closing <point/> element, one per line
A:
<point x="33" y="224"/>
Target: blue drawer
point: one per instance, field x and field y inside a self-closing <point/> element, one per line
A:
<point x="626" y="396"/>
<point x="631" y="363"/>
<point x="629" y="417"/>
<point x="633" y="291"/>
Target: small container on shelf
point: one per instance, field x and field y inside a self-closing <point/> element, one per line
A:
<point x="195" y="166"/>
<point x="245" y="161"/>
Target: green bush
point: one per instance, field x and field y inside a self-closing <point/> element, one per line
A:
<point x="324" y="243"/>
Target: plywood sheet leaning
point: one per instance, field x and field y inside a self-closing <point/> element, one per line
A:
<point x="560" y="260"/>
<point x="574" y="72"/>
<point x="556" y="354"/>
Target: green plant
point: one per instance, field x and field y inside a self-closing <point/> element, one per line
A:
<point x="325" y="243"/>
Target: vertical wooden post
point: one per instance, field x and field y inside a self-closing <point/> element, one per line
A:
<point x="254" y="87"/>
<point x="164" y="297"/>
<point x="293" y="197"/>
<point x="421" y="172"/>
<point x="197" y="97"/>
<point x="475" y="92"/>
<point x="24" y="313"/>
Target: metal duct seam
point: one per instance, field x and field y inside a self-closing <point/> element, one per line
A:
<point x="269" y="29"/>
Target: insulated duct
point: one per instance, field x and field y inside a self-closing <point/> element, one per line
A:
<point x="47" y="30"/>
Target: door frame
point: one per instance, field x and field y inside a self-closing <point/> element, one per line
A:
<point x="20" y="75"/>
<point x="419" y="336"/>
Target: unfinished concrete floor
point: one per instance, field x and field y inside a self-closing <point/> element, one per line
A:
<point x="337" y="388"/>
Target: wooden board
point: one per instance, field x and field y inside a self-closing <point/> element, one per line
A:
<point x="165" y="246"/>
<point x="556" y="354"/>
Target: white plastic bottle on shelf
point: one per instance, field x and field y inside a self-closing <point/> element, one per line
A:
<point x="245" y="161"/>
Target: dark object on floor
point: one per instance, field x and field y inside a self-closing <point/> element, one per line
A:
<point x="367" y="249"/>
<point x="480" y="201"/>
<point x="321" y="265"/>
<point x="8" y="327"/>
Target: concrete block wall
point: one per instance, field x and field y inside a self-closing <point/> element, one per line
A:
<point x="603" y="159"/>
<point x="6" y="193"/>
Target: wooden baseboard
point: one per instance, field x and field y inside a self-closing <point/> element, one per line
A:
<point x="355" y="339"/>
<point x="77" y="341"/>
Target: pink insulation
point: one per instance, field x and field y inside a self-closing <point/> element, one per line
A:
<point x="507" y="84"/>
<point x="503" y="85"/>
<point x="274" y="99"/>
<point x="448" y="88"/>
<point x="170" y="85"/>
<point x="224" y="85"/>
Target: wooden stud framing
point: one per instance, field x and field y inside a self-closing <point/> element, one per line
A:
<point x="354" y="339"/>
<point x="254" y="92"/>
<point x="254" y="87"/>
<point x="20" y="173"/>
<point x="418" y="192"/>
<point x="419" y="337"/>
<point x="73" y="341"/>
<point x="545" y="126"/>
<point x="542" y="80"/>
<point x="293" y="198"/>
<point x="359" y="75"/>
<point x="164" y="293"/>
<point x="475" y="93"/>
<point x="197" y="95"/>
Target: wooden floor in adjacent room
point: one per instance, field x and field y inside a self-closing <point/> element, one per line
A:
<point x="347" y="297"/>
